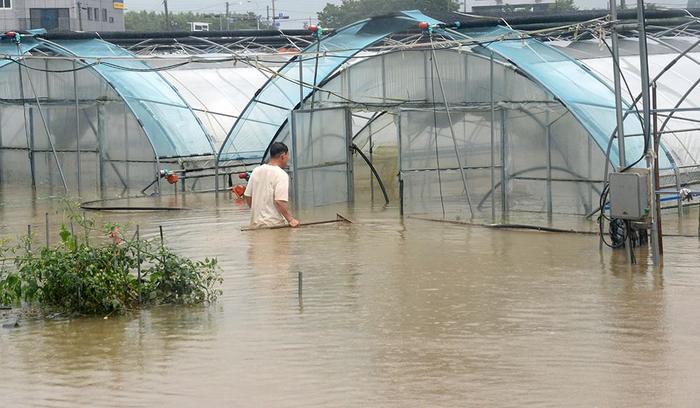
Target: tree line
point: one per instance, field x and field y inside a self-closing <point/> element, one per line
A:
<point x="350" y="11"/>
<point x="332" y="16"/>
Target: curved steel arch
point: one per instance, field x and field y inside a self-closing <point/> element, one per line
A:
<point x="188" y="138"/>
<point x="282" y="93"/>
<point x="587" y="96"/>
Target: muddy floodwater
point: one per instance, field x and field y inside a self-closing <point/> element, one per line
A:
<point x="393" y="314"/>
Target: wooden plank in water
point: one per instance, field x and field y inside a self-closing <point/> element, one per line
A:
<point x="339" y="218"/>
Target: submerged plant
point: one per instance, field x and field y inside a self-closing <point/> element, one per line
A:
<point x="108" y="275"/>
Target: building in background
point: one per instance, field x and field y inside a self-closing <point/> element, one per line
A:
<point x="62" y="15"/>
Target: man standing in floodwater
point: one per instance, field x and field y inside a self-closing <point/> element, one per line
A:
<point x="267" y="193"/>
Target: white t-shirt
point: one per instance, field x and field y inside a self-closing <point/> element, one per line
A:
<point x="267" y="184"/>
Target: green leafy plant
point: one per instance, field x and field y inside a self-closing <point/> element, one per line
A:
<point x="109" y="275"/>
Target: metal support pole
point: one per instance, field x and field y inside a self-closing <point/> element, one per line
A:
<point x="493" y="140"/>
<point x="399" y="143"/>
<point x="101" y="147"/>
<point x="438" y="168"/>
<point x="46" y="218"/>
<point x="138" y="260"/>
<point x="48" y="115"/>
<point x="300" y="278"/>
<point x="77" y="123"/>
<point x="454" y="137"/>
<point x="401" y="204"/>
<point x="548" y="186"/>
<point x="371" y="160"/>
<point x="31" y="146"/>
<point x="27" y="122"/>
<point x="216" y="173"/>
<point x="589" y="173"/>
<point x="618" y="89"/>
<point x="679" y="201"/>
<point x="646" y="103"/>
<point x="295" y="161"/>
<point x="349" y="152"/>
<point x="504" y="170"/>
<point x="659" y="227"/>
<point x="183" y="178"/>
<point x="301" y="80"/>
<point x="48" y="133"/>
<point x="383" y="59"/>
<point x="157" y="172"/>
<point x="126" y="152"/>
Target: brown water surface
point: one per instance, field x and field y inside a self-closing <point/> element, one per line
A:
<point x="393" y="314"/>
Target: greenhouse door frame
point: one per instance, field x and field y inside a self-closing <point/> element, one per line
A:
<point x="498" y="166"/>
<point x="347" y="160"/>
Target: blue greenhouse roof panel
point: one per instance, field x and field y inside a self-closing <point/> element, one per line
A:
<point x="9" y="49"/>
<point x="588" y="97"/>
<point x="268" y="110"/>
<point x="168" y="121"/>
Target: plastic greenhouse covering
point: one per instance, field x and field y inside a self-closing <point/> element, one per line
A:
<point x="9" y="48"/>
<point x="683" y="142"/>
<point x="217" y="93"/>
<point x="586" y="96"/>
<point x="170" y="124"/>
<point x="73" y="132"/>
<point x="268" y="111"/>
<point x="500" y="127"/>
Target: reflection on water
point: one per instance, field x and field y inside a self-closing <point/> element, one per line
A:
<point x="411" y="313"/>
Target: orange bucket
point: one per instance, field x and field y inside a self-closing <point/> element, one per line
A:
<point x="238" y="190"/>
<point x="172" y="178"/>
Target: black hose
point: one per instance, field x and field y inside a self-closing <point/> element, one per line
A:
<point x="374" y="171"/>
<point x="88" y="205"/>
<point x="135" y="208"/>
<point x="506" y="226"/>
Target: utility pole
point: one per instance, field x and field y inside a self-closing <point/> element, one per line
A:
<point x="274" y="16"/>
<point x="465" y="5"/>
<point x="167" y="16"/>
<point x="228" y="17"/>
<point x="80" y="16"/>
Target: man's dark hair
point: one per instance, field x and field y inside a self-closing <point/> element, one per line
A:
<point x="277" y="149"/>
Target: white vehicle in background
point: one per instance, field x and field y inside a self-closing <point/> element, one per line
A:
<point x="199" y="26"/>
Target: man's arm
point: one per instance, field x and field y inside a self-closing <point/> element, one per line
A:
<point x="283" y="208"/>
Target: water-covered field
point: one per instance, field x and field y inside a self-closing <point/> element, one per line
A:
<point x="393" y="313"/>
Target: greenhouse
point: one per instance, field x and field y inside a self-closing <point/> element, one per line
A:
<point x="468" y="121"/>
